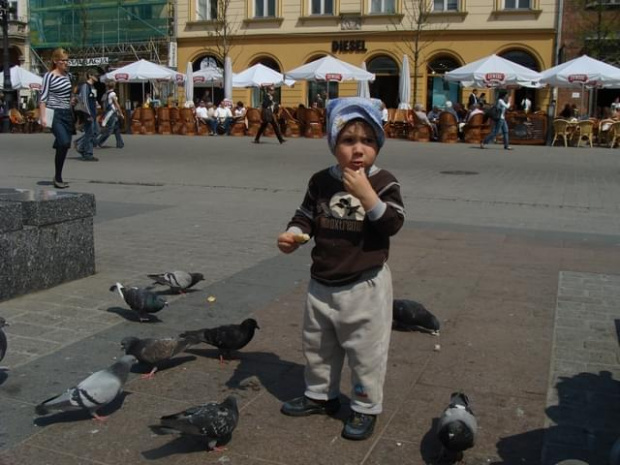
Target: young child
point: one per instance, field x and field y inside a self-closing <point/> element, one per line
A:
<point x="351" y="209"/>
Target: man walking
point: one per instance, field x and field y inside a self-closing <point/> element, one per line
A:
<point x="269" y="116"/>
<point x="87" y="95"/>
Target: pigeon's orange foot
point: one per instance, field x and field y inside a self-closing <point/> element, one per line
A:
<point x="99" y="418"/>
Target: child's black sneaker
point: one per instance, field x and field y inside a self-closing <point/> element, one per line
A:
<point x="359" y="426"/>
<point x="304" y="406"/>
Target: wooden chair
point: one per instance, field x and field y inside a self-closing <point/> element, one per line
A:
<point x="17" y="120"/>
<point x="292" y="126"/>
<point x="400" y="126"/>
<point x="163" y="121"/>
<point x="387" y="126"/>
<point x="472" y="131"/>
<point x="614" y="134"/>
<point x="421" y="131"/>
<point x="188" y="121"/>
<point x="238" y="127"/>
<point x="560" y="129"/>
<point x="448" y="128"/>
<point x="136" y="121"/>
<point x="584" y="129"/>
<point x="254" y="121"/>
<point x="314" y="124"/>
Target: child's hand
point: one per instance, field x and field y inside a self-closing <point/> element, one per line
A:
<point x="357" y="184"/>
<point x="287" y="242"/>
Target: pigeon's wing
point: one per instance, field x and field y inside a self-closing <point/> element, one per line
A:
<point x="160" y="278"/>
<point x="186" y="422"/>
<point x="66" y="401"/>
<point x="224" y="337"/>
<point x="216" y="420"/>
<point x="153" y="302"/>
<point x="135" y="298"/>
<point x="99" y="389"/>
<point x="158" y="350"/>
<point x="180" y="279"/>
<point x="409" y="314"/>
<point x="3" y="344"/>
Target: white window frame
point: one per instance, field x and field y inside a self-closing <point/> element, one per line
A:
<point x="265" y="5"/>
<point x="206" y="12"/>
<point x="323" y="9"/>
<point x="384" y="7"/>
<point x="445" y="6"/>
<point x="518" y="5"/>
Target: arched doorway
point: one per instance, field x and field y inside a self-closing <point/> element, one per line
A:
<point x="522" y="58"/>
<point x="385" y="85"/>
<point x="320" y="91"/>
<point x="207" y="91"/>
<point x="438" y="90"/>
<point x="258" y="94"/>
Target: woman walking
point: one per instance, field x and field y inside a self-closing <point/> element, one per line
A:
<point x="56" y="96"/>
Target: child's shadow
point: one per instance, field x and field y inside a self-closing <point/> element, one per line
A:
<point x="180" y="445"/>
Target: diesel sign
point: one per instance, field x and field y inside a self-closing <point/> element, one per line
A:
<point x="348" y="46"/>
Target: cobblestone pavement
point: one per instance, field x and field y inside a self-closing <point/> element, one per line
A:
<point x="519" y="260"/>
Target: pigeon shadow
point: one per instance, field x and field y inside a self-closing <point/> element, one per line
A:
<point x="4" y="375"/>
<point x="169" y="291"/>
<point x="584" y="421"/>
<point x="131" y="315"/>
<point x="144" y="368"/>
<point x="432" y="451"/>
<point x="183" y="444"/>
<point x="80" y="415"/>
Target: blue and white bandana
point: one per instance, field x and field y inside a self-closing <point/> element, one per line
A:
<point x="342" y="110"/>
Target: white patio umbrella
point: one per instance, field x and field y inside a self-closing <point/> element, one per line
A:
<point x="228" y="78"/>
<point x="329" y="68"/>
<point x="404" y="85"/>
<point x="189" y="83"/>
<point x="363" y="89"/>
<point x="260" y="75"/>
<point x="21" y="78"/>
<point x="143" y="71"/>
<point x="494" y="71"/>
<point x="582" y="71"/>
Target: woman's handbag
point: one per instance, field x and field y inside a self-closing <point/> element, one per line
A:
<point x="81" y="108"/>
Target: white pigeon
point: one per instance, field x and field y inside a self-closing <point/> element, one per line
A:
<point x="93" y="393"/>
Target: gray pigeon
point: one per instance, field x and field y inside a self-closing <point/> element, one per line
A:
<point x="93" y="393"/>
<point x="457" y="426"/>
<point x="226" y="338"/>
<point x="3" y="342"/>
<point x="140" y="300"/>
<point x="178" y="281"/>
<point x="409" y="315"/>
<point x="214" y="421"/>
<point x="154" y="351"/>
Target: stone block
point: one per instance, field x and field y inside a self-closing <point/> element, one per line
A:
<point x="10" y="217"/>
<point x="45" y="240"/>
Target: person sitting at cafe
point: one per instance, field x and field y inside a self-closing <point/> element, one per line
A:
<point x="433" y="115"/>
<point x="450" y="109"/>
<point x="223" y="117"/>
<point x="423" y="118"/>
<point x="567" y="112"/>
<point x="202" y="115"/>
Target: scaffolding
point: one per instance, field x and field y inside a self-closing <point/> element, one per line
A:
<point x="120" y="30"/>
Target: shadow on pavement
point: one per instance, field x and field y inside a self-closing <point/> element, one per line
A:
<point x="131" y="315"/>
<point x="585" y="424"/>
<point x="144" y="368"/>
<point x="79" y="415"/>
<point x="181" y="445"/>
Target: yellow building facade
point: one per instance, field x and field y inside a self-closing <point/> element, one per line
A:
<point x="446" y="34"/>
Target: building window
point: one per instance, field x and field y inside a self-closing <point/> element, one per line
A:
<point x="383" y="6"/>
<point x="206" y="10"/>
<point x="13" y="16"/>
<point x="445" y="5"/>
<point x="518" y="4"/>
<point x="322" y="7"/>
<point x="264" y="8"/>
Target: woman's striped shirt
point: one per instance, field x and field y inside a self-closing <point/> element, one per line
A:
<point x="56" y="92"/>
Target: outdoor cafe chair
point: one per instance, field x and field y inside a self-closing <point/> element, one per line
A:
<point x="614" y="134"/>
<point x="584" y="130"/>
<point x="560" y="129"/>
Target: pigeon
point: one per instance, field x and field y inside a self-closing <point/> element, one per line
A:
<point x="155" y="351"/>
<point x="457" y="426"/>
<point x="93" y="393"/>
<point x="178" y="281"/>
<point x="3" y="343"/>
<point x="226" y="338"/>
<point x="409" y="315"/>
<point x="140" y="300"/>
<point x="214" y="421"/>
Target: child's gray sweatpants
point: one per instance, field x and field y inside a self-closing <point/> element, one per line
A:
<point x="356" y="320"/>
